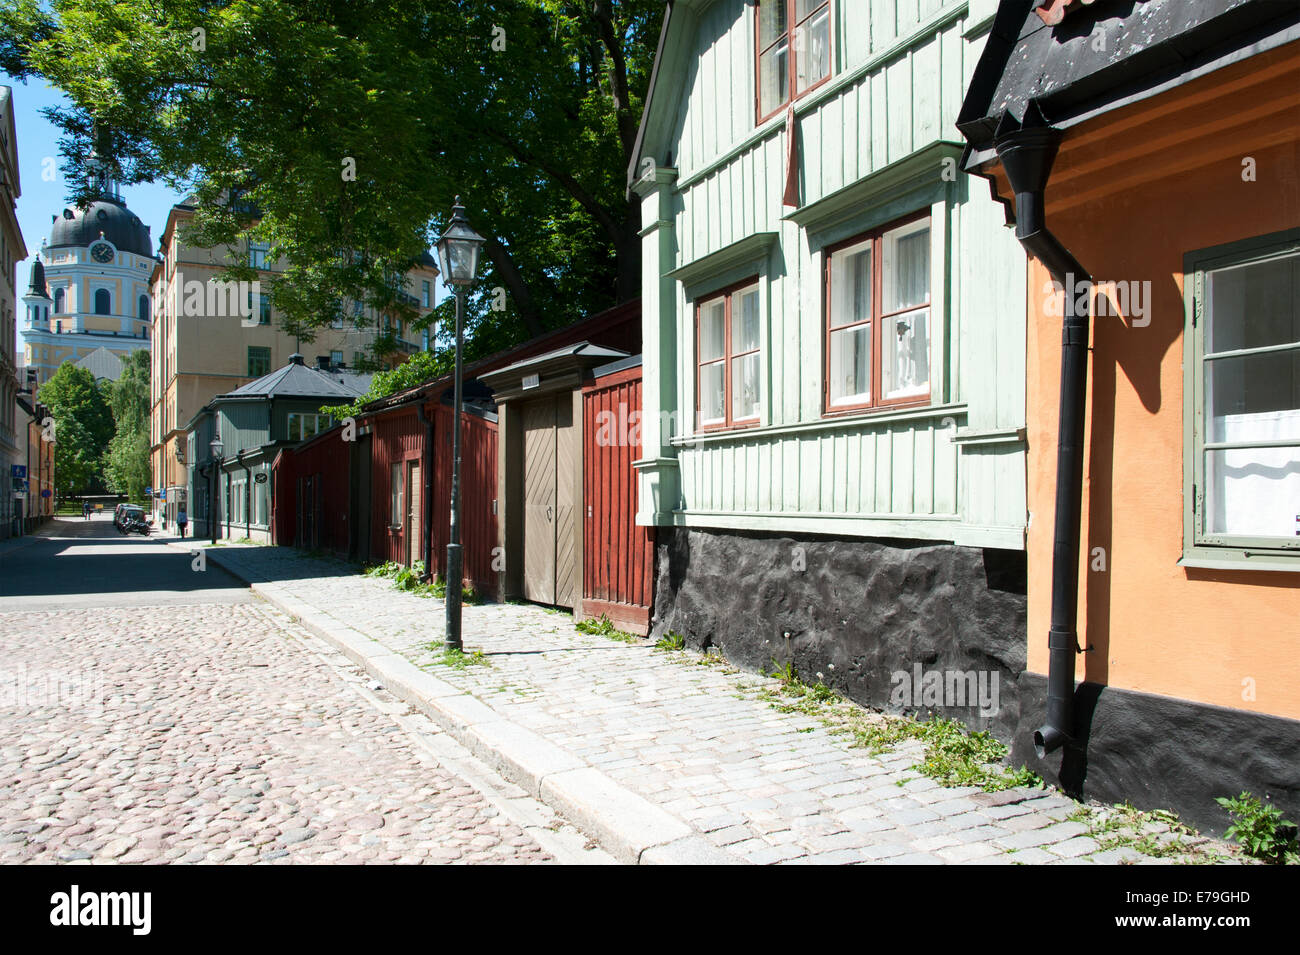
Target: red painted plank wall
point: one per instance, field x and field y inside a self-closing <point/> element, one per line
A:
<point x="396" y="436"/>
<point x="618" y="556"/>
<point x="478" y="491"/>
<point x="324" y="462"/>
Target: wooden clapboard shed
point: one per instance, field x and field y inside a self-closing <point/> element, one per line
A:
<point x="540" y="471"/>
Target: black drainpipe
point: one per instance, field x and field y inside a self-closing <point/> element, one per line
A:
<point x="1027" y="155"/>
<point x="248" y="496"/>
<point x="426" y="505"/>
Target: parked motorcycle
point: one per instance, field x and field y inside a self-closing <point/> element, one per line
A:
<point x="138" y="525"/>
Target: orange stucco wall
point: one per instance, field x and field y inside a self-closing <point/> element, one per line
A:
<point x="1132" y="192"/>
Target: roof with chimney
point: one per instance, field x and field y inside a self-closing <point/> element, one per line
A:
<point x="294" y="380"/>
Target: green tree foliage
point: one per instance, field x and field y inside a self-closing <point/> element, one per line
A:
<point x="340" y="131"/>
<point x="83" y="428"/>
<point x="421" y="367"/>
<point x="126" y="465"/>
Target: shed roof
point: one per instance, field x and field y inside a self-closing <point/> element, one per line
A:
<point x="576" y="350"/>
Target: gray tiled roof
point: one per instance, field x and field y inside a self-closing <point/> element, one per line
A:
<point x="294" y="380"/>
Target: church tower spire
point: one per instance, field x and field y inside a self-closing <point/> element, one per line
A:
<point x="100" y="180"/>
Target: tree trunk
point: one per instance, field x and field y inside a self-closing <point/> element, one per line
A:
<point x="515" y="285"/>
<point x="627" y="255"/>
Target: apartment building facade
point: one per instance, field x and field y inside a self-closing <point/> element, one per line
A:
<point x="211" y="338"/>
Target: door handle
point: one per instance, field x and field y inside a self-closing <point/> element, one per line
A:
<point x="548" y="513"/>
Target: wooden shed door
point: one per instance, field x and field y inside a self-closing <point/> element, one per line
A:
<point x="414" y="529"/>
<point x="568" y="489"/>
<point x="551" y="572"/>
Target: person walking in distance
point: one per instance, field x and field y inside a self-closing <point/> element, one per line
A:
<point x="182" y="520"/>
<point x="85" y="510"/>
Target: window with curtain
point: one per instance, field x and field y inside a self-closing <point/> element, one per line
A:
<point x="878" y="318"/>
<point x="729" y="358"/>
<point x="793" y="47"/>
<point x="1245" y="391"/>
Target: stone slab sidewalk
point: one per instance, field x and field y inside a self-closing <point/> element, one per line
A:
<point x="661" y="760"/>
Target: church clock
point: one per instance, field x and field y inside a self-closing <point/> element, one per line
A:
<point x="102" y="252"/>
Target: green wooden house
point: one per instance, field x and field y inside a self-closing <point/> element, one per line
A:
<point x="834" y="345"/>
<point x="254" y="423"/>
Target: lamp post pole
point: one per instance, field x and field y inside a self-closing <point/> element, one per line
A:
<point x="455" y="555"/>
<point x="218" y="453"/>
<point x="212" y="504"/>
<point x="458" y="255"/>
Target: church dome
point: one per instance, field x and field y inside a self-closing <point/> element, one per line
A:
<point x="76" y="227"/>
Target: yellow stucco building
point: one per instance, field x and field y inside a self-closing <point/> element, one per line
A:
<point x="211" y="336"/>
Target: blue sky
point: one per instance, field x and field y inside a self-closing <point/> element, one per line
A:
<point x="38" y="160"/>
<point x="45" y="191"/>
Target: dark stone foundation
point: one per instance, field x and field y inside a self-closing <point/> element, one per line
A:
<point x="851" y="612"/>
<point x="1159" y="752"/>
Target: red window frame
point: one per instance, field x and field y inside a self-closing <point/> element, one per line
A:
<point x="792" y="91"/>
<point x="727" y="358"/>
<point x="875" y="400"/>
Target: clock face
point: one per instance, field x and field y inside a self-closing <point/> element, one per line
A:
<point x="101" y="252"/>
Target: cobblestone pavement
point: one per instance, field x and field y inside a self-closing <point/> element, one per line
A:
<point x="225" y="733"/>
<point x="767" y="786"/>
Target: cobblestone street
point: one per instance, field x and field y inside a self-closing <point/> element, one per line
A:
<point x="700" y="744"/>
<point x="221" y="732"/>
<point x="162" y="714"/>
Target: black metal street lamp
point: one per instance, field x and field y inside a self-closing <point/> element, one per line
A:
<point x="184" y="478"/>
<point x="458" y="251"/>
<point x="218" y="454"/>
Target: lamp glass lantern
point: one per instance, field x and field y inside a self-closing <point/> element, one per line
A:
<point x="218" y="449"/>
<point x="458" y="249"/>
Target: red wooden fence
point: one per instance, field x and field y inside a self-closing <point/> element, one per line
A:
<point x="618" y="556"/>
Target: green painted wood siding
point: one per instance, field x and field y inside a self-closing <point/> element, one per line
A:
<point x="242" y="426"/>
<point x="952" y="471"/>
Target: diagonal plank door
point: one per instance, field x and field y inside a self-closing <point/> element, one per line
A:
<point x="539" y="500"/>
<point x="567" y="493"/>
